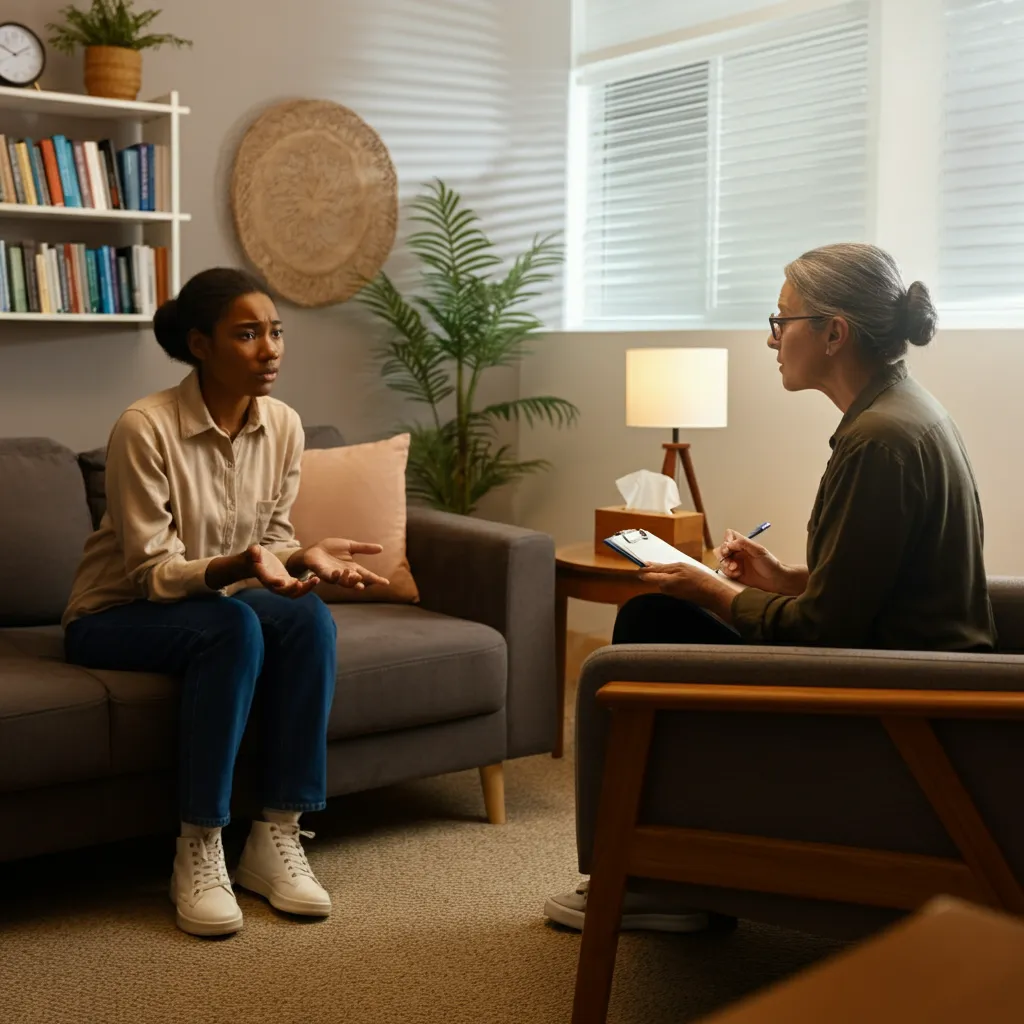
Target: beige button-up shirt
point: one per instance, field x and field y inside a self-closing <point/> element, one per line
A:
<point x="180" y="492"/>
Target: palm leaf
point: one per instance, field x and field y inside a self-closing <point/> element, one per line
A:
<point x="463" y="322"/>
<point x="556" y="412"/>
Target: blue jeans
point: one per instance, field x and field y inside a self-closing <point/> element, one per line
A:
<point x="220" y="647"/>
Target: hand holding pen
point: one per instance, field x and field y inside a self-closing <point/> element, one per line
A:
<point x="746" y="562"/>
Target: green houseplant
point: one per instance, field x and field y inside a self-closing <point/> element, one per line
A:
<point x="113" y="36"/>
<point x="468" y="320"/>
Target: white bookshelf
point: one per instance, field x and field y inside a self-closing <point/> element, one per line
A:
<point x="158" y="121"/>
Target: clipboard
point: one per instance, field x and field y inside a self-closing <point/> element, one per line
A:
<point x="645" y="548"/>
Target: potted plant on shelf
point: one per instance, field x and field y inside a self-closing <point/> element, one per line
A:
<point x="467" y="322"/>
<point x="113" y="37"/>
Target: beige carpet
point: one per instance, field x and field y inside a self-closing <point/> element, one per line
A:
<point x="437" y="918"/>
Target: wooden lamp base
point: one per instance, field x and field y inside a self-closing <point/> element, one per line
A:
<point x="680" y="450"/>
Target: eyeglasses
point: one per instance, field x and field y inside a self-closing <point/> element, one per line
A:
<point x="776" y="322"/>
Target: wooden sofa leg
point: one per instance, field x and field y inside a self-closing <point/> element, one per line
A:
<point x="492" y="778"/>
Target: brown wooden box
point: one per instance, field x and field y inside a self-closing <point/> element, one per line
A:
<point x="683" y="529"/>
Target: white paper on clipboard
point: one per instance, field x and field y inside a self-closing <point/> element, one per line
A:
<point x="645" y="549"/>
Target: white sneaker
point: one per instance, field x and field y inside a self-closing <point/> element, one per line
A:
<point x="639" y="913"/>
<point x="201" y="888"/>
<point x="274" y="865"/>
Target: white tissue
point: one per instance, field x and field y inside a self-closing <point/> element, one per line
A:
<point x="652" y="492"/>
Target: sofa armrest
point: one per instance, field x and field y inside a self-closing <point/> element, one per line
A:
<point x="504" y="577"/>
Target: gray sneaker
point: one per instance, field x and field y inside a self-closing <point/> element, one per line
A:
<point x="639" y="913"/>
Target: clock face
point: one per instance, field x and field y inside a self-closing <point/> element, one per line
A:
<point x="22" y="57"/>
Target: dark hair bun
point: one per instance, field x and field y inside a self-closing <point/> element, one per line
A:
<point x="919" y="316"/>
<point x="171" y="334"/>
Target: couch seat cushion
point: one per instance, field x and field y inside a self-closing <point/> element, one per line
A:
<point x="54" y="726"/>
<point x="400" y="666"/>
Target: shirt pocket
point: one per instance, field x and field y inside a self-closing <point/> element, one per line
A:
<point x="264" y="511"/>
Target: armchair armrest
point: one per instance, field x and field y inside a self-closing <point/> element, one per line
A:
<point x="787" y="682"/>
<point x="811" y="700"/>
<point x="504" y="577"/>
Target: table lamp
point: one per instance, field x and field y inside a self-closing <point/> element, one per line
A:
<point x="678" y="389"/>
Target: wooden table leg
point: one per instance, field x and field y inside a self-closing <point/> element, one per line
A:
<point x="561" y="627"/>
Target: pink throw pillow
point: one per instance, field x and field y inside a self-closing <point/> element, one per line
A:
<point x="358" y="492"/>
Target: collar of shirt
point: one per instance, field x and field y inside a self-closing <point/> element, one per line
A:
<point x="880" y="383"/>
<point x="194" y="417"/>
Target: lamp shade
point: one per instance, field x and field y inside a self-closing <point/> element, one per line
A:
<point x="677" y="387"/>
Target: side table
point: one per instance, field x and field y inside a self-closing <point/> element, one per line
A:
<point x="582" y="573"/>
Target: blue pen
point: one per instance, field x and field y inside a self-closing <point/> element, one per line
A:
<point x="750" y="536"/>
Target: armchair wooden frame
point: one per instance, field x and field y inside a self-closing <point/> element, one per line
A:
<point x="623" y="848"/>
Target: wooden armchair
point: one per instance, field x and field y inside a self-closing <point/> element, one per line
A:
<point x="841" y="799"/>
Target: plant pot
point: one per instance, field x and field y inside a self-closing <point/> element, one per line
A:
<point x="114" y="72"/>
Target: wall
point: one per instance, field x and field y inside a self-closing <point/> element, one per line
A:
<point x="472" y="91"/>
<point x="766" y="464"/>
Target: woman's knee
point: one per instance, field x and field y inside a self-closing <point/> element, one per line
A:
<point x="236" y="625"/>
<point x="635" y="615"/>
<point x="314" y="615"/>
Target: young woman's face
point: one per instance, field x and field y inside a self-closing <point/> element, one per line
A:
<point x="244" y="355"/>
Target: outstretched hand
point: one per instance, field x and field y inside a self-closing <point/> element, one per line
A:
<point x="332" y="561"/>
<point x="270" y="571"/>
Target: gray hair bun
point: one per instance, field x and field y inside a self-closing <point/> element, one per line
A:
<point x="919" y="316"/>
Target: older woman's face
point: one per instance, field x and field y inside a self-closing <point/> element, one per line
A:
<point x="801" y="349"/>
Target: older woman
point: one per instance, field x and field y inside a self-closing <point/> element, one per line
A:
<point x="894" y="545"/>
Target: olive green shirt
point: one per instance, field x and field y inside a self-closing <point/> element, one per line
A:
<point x="894" y="544"/>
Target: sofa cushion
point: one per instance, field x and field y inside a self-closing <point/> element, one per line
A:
<point x="323" y="437"/>
<point x="45" y="520"/>
<point x="358" y="491"/>
<point x="400" y="666"/>
<point x="53" y="722"/>
<point x="93" y="465"/>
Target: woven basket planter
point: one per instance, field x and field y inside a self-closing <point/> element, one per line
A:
<point x="113" y="72"/>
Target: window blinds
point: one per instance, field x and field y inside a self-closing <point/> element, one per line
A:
<point x="981" y="248"/>
<point x="705" y="179"/>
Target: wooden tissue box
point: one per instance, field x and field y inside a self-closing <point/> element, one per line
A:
<point x="683" y="529"/>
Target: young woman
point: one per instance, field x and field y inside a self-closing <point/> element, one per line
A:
<point x="894" y="544"/>
<point x="195" y="572"/>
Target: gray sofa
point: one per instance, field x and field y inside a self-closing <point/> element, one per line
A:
<point x="464" y="679"/>
<point x="762" y="768"/>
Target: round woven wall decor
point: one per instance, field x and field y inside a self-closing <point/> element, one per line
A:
<point x="315" y="200"/>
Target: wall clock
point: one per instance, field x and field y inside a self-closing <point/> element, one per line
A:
<point x="22" y="55"/>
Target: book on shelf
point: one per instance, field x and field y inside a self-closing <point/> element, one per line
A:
<point x="85" y="174"/>
<point x="45" y="278"/>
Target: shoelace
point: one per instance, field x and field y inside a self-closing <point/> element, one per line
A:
<point x="208" y="867"/>
<point x="288" y="842"/>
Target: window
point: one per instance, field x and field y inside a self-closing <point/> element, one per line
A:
<point x="708" y="168"/>
<point x="981" y="247"/>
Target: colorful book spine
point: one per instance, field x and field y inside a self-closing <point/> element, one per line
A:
<point x="110" y="166"/>
<point x="31" y="278"/>
<point x="61" y="274"/>
<point x="82" y="172"/>
<point x="19" y="293"/>
<point x="49" y="156"/>
<point x="68" y="175"/>
<point x="6" y="173"/>
<point x="93" y="277"/>
<point x="25" y="168"/>
<point x="5" y="283"/>
<point x="39" y="175"/>
<point x="130" y="175"/>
